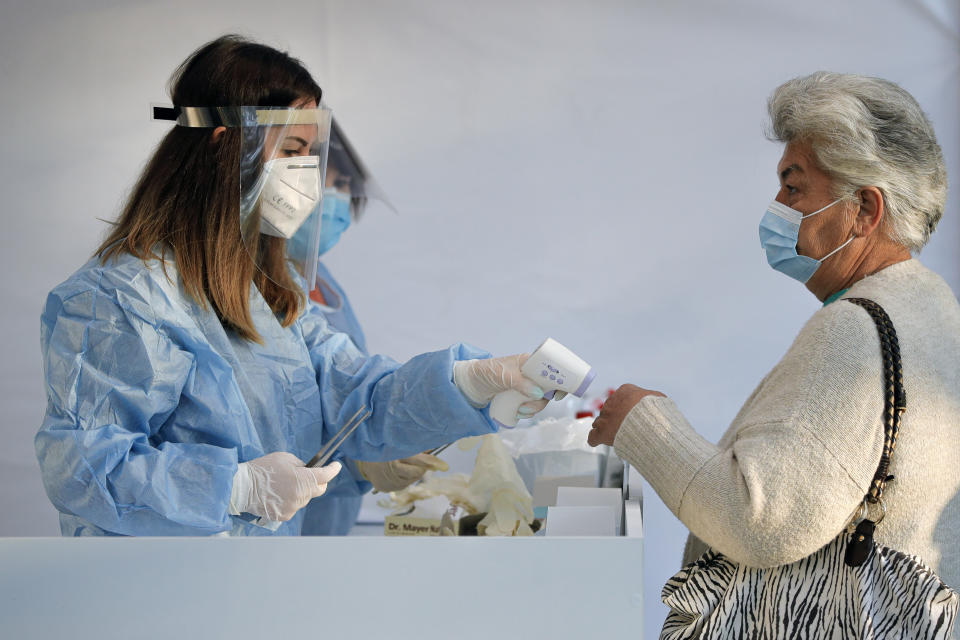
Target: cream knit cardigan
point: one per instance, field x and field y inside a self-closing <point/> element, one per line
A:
<point x="790" y="471"/>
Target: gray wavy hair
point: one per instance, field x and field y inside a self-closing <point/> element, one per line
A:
<point x="868" y="132"/>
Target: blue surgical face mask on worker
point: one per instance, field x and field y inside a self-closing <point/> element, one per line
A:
<point x="335" y="218"/>
<point x="779" y="231"/>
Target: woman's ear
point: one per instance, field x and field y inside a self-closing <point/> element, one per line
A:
<point x="216" y="135"/>
<point x="871" y="211"/>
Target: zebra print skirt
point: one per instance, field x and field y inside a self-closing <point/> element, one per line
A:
<point x="890" y="596"/>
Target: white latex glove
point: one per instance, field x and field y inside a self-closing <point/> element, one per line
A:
<point x="395" y="475"/>
<point x="480" y="380"/>
<point x="277" y="485"/>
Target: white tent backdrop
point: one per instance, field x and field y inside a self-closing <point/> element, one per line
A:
<point x="591" y="171"/>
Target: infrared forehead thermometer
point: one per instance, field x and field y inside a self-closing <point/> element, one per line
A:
<point x="554" y="368"/>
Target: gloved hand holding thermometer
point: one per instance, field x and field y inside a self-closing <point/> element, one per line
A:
<point x="515" y="383"/>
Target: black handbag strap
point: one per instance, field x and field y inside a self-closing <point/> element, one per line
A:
<point x="894" y="396"/>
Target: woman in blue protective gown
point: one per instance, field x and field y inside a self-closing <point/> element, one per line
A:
<point x="185" y="384"/>
<point x="348" y="187"/>
<point x="335" y="512"/>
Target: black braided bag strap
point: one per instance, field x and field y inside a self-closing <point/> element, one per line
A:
<point x="894" y="396"/>
<point x="894" y="404"/>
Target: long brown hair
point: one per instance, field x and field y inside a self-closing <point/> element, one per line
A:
<point x="186" y="200"/>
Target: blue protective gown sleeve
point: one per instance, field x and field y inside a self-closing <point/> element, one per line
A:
<point x="413" y="407"/>
<point x="113" y="378"/>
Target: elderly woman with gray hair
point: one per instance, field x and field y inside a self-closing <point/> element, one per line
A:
<point x="862" y="188"/>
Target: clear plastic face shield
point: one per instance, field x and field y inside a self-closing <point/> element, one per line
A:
<point x="349" y="188"/>
<point x="282" y="166"/>
<point x="349" y="177"/>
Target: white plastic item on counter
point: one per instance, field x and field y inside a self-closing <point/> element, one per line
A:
<point x="555" y="447"/>
<point x="593" y="497"/>
<point x="581" y="521"/>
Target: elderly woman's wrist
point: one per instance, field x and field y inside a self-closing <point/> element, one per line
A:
<point x="656" y="439"/>
<point x="638" y="419"/>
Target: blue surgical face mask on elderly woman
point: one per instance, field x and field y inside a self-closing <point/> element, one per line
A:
<point x="335" y="219"/>
<point x="779" y="230"/>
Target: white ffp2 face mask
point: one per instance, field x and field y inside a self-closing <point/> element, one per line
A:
<point x="290" y="192"/>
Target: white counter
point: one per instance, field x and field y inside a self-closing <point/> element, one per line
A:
<point x="323" y="588"/>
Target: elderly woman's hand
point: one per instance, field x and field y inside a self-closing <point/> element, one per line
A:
<point x="615" y="409"/>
